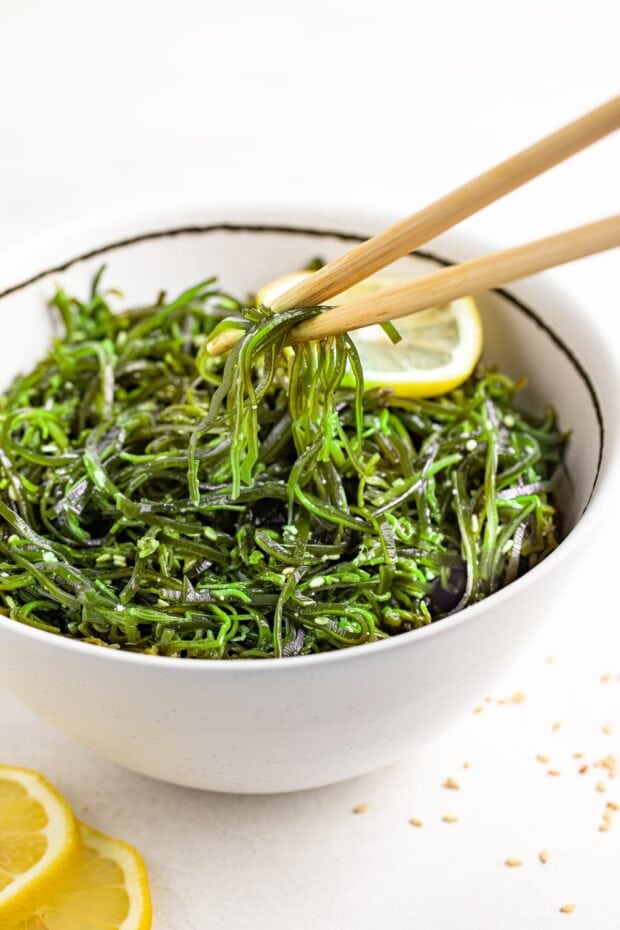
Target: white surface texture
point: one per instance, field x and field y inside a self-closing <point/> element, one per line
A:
<point x="386" y="105"/>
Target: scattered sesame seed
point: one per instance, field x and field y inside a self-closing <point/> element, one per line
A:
<point x="577" y="755"/>
<point x="567" y="908"/>
<point x="556" y="725"/>
<point x="612" y="805"/>
<point x="517" y="698"/>
<point x="415" y="822"/>
<point x="608" y="816"/>
<point x="466" y="764"/>
<point x="543" y="855"/>
<point x="607" y="677"/>
<point x="610" y="763"/>
<point x="513" y="863"/>
<point x="450" y="818"/>
<point x="543" y="759"/>
<point x="583" y="770"/>
<point x="604" y="827"/>
<point x="550" y="660"/>
<point x="554" y="772"/>
<point x="360" y="808"/>
<point x="451" y="783"/>
<point x="606" y="729"/>
<point x="601" y="786"/>
<point x="488" y="700"/>
<point x="478" y="710"/>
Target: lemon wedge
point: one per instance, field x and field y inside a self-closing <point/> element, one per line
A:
<point x="108" y="890"/>
<point x="39" y="842"/>
<point x="439" y="348"/>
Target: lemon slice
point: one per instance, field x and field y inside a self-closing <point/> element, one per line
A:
<point x="107" y="891"/>
<point x="39" y="842"/>
<point x="438" y="350"/>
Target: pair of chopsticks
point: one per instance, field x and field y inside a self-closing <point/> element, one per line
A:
<point x="470" y="277"/>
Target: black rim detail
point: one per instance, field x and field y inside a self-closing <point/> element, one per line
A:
<point x="342" y="237"/>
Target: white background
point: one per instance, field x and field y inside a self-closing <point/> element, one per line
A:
<point x="387" y="104"/>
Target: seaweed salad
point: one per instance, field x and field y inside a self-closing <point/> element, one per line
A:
<point x="158" y="499"/>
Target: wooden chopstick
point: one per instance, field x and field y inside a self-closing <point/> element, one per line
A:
<point x="370" y="256"/>
<point x="471" y="277"/>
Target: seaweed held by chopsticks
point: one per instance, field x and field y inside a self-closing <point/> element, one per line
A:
<point x="156" y="499"/>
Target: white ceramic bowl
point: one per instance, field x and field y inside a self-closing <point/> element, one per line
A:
<point x="281" y="725"/>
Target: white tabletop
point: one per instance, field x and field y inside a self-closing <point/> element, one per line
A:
<point x="103" y="105"/>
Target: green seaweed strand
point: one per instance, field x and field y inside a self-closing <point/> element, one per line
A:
<point x="156" y="499"/>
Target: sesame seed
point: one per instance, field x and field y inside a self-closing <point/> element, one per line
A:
<point x="451" y="783"/>
<point x="601" y="786"/>
<point x="567" y="908"/>
<point x="360" y="808"/>
<point x="543" y="855"/>
<point x="556" y="725"/>
<point x="607" y="677"/>
<point x="513" y="863"/>
<point x="610" y="763"/>
<point x="488" y="700"/>
<point x="608" y="816"/>
<point x="583" y="770"/>
<point x="543" y="759"/>
<point x="550" y="660"/>
<point x="577" y="755"/>
<point x="612" y="805"/>
<point x="517" y="698"/>
<point x="450" y="818"/>
<point x="478" y="710"/>
<point x="466" y="764"/>
<point x="554" y="772"/>
<point x="606" y="729"/>
<point x="415" y="822"/>
<point x="604" y="827"/>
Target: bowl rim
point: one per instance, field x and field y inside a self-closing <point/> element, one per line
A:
<point x="119" y="229"/>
